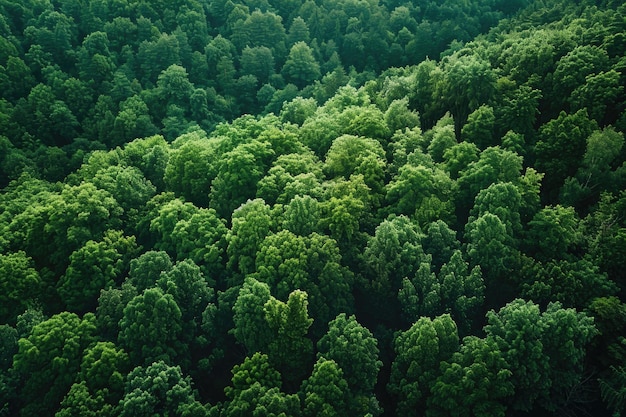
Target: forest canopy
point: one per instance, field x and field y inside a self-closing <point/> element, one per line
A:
<point x="312" y="208"/>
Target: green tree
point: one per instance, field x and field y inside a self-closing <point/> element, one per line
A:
<point x="553" y="232"/>
<point x="94" y="267"/>
<point x="201" y="238"/>
<point x="324" y="393"/>
<point x="595" y="174"/>
<point x="420" y="351"/>
<point x="479" y="127"/>
<point x="277" y="185"/>
<point x="49" y="359"/>
<point x="238" y="174"/>
<point x="159" y="388"/>
<point x="545" y="352"/>
<point x="254" y="369"/>
<point x="469" y="82"/>
<point x="251" y="329"/>
<point x="440" y="242"/>
<point x="287" y="262"/>
<point x="474" y="382"/>
<point x="462" y="290"/>
<point x="421" y="191"/>
<point x="100" y="383"/>
<point x="258" y="61"/>
<point x="298" y="110"/>
<point x="399" y="116"/>
<point x="354" y="350"/>
<point x="393" y="253"/>
<point x="110" y="310"/>
<point x="174" y="87"/>
<point x="357" y="155"/>
<point x="191" y="168"/>
<point x="154" y="56"/>
<point x="598" y="94"/>
<point x="151" y="327"/>
<point x="290" y="350"/>
<point x="574" y="283"/>
<point x="20" y="283"/>
<point x="50" y="231"/>
<point x="251" y="223"/>
<point x="191" y="292"/>
<point x="561" y="147"/>
<point x="504" y="200"/>
<point x="146" y="269"/>
<point x="301" y="67"/>
<point x="457" y="157"/>
<point x="494" y="165"/>
<point x="302" y="215"/>
<point x="128" y="186"/>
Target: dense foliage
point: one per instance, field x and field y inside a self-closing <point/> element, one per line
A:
<point x="312" y="208"/>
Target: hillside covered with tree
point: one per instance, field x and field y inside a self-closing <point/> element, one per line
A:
<point x="312" y="208"/>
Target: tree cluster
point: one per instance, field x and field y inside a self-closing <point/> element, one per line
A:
<point x="446" y="238"/>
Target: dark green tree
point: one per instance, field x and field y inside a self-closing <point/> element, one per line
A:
<point x="290" y="351"/>
<point x="354" y="350"/>
<point x="561" y="146"/>
<point x="469" y="82"/>
<point x="146" y="269"/>
<point x="301" y="67"/>
<point x="49" y="359"/>
<point x="100" y="383"/>
<point x="159" y="388"/>
<point x="420" y="351"/>
<point x="251" y="329"/>
<point x="474" y="382"/>
<point x="151" y="327"/>
<point x="21" y="285"/>
<point x="94" y="267"/>
<point x="545" y="351"/>
<point x="325" y="392"/>
<point x="251" y="223"/>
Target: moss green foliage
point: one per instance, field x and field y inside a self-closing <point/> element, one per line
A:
<point x="312" y="208"/>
